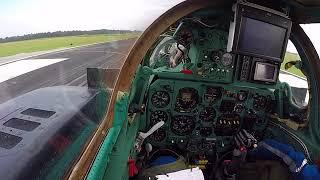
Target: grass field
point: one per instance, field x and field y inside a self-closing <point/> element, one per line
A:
<point x="292" y="57"/>
<point x="13" y="48"/>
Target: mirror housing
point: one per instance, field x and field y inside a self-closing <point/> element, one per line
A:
<point x="297" y="64"/>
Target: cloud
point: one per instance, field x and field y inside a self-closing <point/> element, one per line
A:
<point x="312" y="30"/>
<point x="52" y="15"/>
<point x="18" y="17"/>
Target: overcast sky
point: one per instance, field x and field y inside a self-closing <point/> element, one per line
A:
<point x="19" y="17"/>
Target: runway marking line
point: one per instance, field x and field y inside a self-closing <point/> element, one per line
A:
<point x="15" y="69"/>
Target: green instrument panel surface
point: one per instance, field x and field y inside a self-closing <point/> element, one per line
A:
<point x="205" y="57"/>
<point x="200" y="115"/>
<point x="208" y="52"/>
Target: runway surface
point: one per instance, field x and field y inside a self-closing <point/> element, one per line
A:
<point x="66" y="68"/>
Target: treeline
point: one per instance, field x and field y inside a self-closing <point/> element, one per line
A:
<point x="63" y="33"/>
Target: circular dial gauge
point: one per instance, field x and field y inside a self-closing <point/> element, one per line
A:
<point x="187" y="100"/>
<point x="238" y="108"/>
<point x="226" y="59"/>
<point x="242" y="95"/>
<point x="160" y="99"/>
<point x="212" y="94"/>
<point x="182" y="125"/>
<point x="157" y="116"/>
<point x="158" y="135"/>
<point x="259" y="101"/>
<point x="207" y="114"/>
<point x="216" y="55"/>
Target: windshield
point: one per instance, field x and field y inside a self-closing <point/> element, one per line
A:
<point x="58" y="61"/>
<point x="295" y="76"/>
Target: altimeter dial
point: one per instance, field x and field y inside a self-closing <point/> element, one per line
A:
<point x="157" y="116"/>
<point x="182" y="125"/>
<point x="160" y="99"/>
<point x="207" y="114"/>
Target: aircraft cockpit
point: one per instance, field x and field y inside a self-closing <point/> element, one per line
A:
<point x="211" y="90"/>
<point x="211" y="76"/>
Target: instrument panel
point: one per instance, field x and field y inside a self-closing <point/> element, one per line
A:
<point x="206" y="107"/>
<point x="208" y="54"/>
<point x="205" y="113"/>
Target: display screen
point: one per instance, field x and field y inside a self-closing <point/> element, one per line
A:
<point x="261" y="38"/>
<point x="265" y="72"/>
